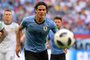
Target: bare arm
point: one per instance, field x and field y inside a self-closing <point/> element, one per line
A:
<point x="23" y="38"/>
<point x="18" y="37"/>
<point x="3" y="34"/>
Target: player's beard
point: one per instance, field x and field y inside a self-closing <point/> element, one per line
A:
<point x="41" y="19"/>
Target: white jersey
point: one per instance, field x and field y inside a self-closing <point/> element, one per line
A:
<point x="10" y="40"/>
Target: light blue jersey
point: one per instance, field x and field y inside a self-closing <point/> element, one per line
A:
<point x="54" y="48"/>
<point x="36" y="33"/>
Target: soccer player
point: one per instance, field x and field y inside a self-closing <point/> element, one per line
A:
<point x="37" y="28"/>
<point x="7" y="46"/>
<point x="56" y="53"/>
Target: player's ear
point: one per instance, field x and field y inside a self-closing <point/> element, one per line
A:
<point x="46" y="11"/>
<point x="35" y="10"/>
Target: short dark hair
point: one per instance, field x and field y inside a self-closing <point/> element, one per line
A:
<point x="41" y="3"/>
<point x="58" y="18"/>
<point x="8" y="10"/>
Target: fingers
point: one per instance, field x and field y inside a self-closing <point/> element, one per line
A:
<point x="65" y="51"/>
<point x="18" y="50"/>
<point x="17" y="53"/>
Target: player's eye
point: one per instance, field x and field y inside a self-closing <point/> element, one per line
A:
<point x="43" y="9"/>
<point x="39" y="9"/>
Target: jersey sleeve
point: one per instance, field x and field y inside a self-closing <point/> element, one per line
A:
<point x="54" y="27"/>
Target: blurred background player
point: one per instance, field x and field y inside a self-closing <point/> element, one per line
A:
<point x="36" y="29"/>
<point x="7" y="46"/>
<point x="56" y="53"/>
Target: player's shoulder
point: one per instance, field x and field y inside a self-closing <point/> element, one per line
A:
<point x="15" y="24"/>
<point x="50" y="21"/>
<point x="28" y="18"/>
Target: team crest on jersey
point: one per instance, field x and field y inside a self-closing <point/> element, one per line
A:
<point x="45" y="28"/>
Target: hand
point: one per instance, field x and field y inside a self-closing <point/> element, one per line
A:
<point x="65" y="50"/>
<point x="18" y="49"/>
<point x="48" y="45"/>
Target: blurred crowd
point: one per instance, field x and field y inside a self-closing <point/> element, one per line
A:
<point x="75" y="13"/>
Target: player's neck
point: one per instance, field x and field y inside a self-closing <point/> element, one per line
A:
<point x="39" y="20"/>
<point x="7" y="23"/>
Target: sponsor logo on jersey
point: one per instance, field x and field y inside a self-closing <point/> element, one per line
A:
<point x="12" y="29"/>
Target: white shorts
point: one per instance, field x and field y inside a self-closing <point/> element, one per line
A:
<point x="9" y="55"/>
<point x="7" y="52"/>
